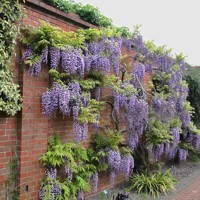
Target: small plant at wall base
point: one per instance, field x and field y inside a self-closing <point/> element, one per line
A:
<point x="10" y="98"/>
<point x="84" y="63"/>
<point x="12" y="189"/>
<point x="154" y="184"/>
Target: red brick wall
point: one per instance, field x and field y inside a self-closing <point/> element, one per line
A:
<point x="8" y="142"/>
<point x="36" y="128"/>
<point x="9" y="131"/>
<point x="29" y="130"/>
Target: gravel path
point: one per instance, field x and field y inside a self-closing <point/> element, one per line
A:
<point x="187" y="173"/>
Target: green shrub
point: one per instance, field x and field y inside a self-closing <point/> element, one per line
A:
<point x="154" y="184"/>
<point x="194" y="156"/>
<point x="91" y="14"/>
<point x="193" y="81"/>
<point x="87" y="12"/>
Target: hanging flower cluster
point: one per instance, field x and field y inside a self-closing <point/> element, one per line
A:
<point x="68" y="96"/>
<point x="118" y="159"/>
<point x="54" y="189"/>
<point x="118" y="163"/>
<point x="68" y="99"/>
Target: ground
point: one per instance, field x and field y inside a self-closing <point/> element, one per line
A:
<point x="188" y="187"/>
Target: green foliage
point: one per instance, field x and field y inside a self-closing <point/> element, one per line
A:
<point x="176" y="122"/>
<point x="88" y="84"/>
<point x="94" y="158"/>
<point x="179" y="57"/>
<point x="90" y="34"/>
<point x="91" y="112"/>
<point x="127" y="90"/>
<point x="193" y="129"/>
<point x="158" y="50"/>
<point x="92" y="15"/>
<point x="87" y="12"/>
<point x="10" y="98"/>
<point x="105" y="195"/>
<point x="125" y="151"/>
<point x="188" y="107"/>
<point x="110" y="138"/>
<point x="110" y="32"/>
<point x="10" y="13"/>
<point x="47" y="35"/>
<point x="112" y="81"/>
<point x="154" y="184"/>
<point x="194" y="156"/>
<point x="192" y="78"/>
<point x="62" y="78"/>
<point x="58" y="153"/>
<point x="32" y="60"/>
<point x="98" y="77"/>
<point x="66" y="6"/>
<point x="159" y="132"/>
<point x="185" y="145"/>
<point x="93" y="34"/>
<point x="82" y="162"/>
<point x="124" y="31"/>
<point x="160" y="88"/>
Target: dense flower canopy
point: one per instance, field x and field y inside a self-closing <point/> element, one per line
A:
<point x="157" y="123"/>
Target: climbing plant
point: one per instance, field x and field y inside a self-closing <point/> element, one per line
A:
<point x="81" y="64"/>
<point x="10" y="98"/>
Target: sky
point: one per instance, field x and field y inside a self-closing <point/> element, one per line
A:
<point x="174" y="23"/>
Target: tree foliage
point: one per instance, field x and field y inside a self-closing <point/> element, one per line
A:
<point x="192" y="78"/>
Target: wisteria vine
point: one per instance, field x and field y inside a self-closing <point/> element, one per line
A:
<point x="157" y="124"/>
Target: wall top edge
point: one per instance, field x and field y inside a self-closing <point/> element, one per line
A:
<point x="68" y="17"/>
